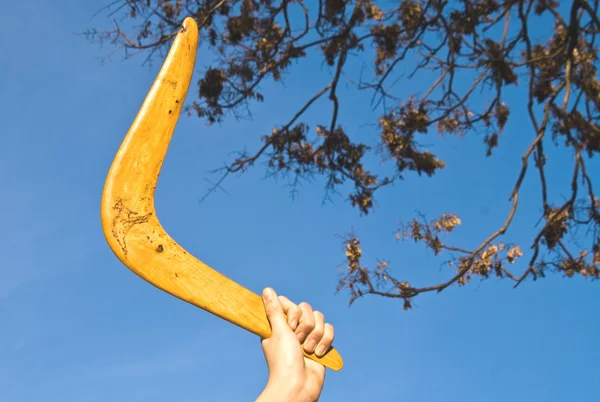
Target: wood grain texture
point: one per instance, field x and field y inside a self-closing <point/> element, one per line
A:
<point x="129" y="220"/>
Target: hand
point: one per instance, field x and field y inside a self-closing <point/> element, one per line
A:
<point x="292" y="377"/>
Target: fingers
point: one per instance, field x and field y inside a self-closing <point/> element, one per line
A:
<point x="313" y="331"/>
<point x="313" y="338"/>
<point x="307" y="322"/>
<point x="274" y="310"/>
<point x="293" y="312"/>
<point x="326" y="340"/>
<point x="321" y="337"/>
<point x="309" y="326"/>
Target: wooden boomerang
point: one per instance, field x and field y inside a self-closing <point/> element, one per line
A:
<point x="129" y="219"/>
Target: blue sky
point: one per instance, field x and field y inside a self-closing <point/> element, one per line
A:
<point x="76" y="325"/>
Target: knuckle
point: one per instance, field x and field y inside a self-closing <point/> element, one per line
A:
<point x="306" y="327"/>
<point x="328" y="334"/>
<point x="309" y="325"/>
<point x="308" y="319"/>
<point x="317" y="334"/>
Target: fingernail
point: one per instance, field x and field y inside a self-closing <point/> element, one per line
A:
<point x="268" y="294"/>
<point x="320" y="350"/>
<point x="293" y="325"/>
<point x="310" y="346"/>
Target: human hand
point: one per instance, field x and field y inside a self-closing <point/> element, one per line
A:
<point x="292" y="377"/>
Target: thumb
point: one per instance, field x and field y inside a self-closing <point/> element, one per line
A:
<point x="274" y="310"/>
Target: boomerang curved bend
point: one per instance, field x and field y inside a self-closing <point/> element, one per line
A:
<point x="129" y="218"/>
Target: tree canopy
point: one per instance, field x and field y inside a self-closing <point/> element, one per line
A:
<point x="490" y="44"/>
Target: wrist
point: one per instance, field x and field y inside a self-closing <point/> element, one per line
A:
<point x="278" y="391"/>
<point x="275" y="394"/>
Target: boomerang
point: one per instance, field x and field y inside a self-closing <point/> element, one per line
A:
<point x="129" y="220"/>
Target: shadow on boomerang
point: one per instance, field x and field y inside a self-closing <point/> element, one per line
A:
<point x="129" y="218"/>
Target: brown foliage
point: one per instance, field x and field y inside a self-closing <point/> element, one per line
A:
<point x="256" y="40"/>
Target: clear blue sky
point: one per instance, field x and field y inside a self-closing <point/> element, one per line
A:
<point x="76" y="325"/>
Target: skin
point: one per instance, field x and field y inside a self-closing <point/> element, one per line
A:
<point x="292" y="377"/>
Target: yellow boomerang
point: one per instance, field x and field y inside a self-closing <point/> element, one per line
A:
<point x="129" y="219"/>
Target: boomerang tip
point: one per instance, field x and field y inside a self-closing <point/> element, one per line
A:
<point x="189" y="24"/>
<point x="336" y="363"/>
